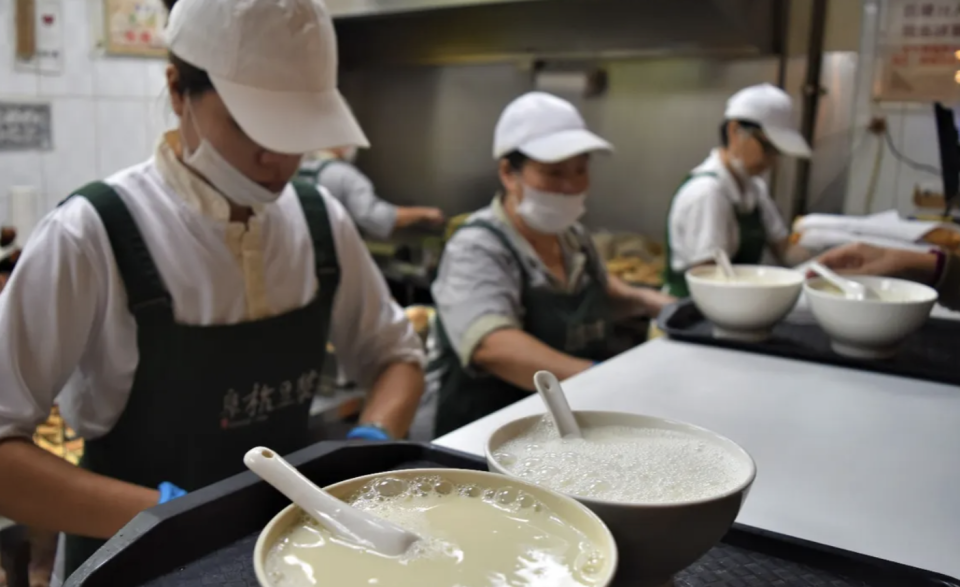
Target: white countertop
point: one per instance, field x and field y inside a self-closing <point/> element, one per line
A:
<point x="847" y="458"/>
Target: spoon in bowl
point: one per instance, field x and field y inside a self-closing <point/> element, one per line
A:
<point x="723" y="262"/>
<point x="851" y="289"/>
<point x="552" y="394"/>
<point x="355" y="525"/>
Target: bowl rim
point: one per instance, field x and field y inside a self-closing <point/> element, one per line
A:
<point x="745" y="484"/>
<point x="931" y="294"/>
<point x="798" y="276"/>
<point x="261" y="549"/>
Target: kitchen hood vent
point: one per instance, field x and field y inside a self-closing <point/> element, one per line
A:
<point x="385" y="32"/>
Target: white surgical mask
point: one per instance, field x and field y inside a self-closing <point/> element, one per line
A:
<point x="548" y="212"/>
<point x="235" y="186"/>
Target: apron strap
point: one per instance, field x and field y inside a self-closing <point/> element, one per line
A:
<point x="313" y="175"/>
<point x="497" y="232"/>
<point x="326" y="265"/>
<point x="141" y="279"/>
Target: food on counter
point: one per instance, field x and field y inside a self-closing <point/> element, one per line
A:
<point x="845" y="229"/>
<point x="472" y="536"/>
<point x="420" y="317"/>
<point x="623" y="464"/>
<point x="636" y="270"/>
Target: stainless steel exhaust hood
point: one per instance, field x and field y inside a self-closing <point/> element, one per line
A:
<point x="385" y="32"/>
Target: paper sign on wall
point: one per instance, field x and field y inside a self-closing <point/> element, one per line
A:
<point x="918" y="51"/>
<point x="48" y="57"/>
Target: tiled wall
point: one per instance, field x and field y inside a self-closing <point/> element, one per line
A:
<point x="914" y="133"/>
<point x="107" y="111"/>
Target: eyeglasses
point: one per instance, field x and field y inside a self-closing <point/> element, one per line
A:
<point x="765" y="144"/>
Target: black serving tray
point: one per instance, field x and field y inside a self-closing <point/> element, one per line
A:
<point x="932" y="353"/>
<point x="207" y="537"/>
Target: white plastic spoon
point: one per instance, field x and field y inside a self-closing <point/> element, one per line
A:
<point x="552" y="395"/>
<point x="343" y="520"/>
<point x="723" y="262"/>
<point x="850" y="288"/>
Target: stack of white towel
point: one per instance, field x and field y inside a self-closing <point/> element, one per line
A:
<point x="819" y="232"/>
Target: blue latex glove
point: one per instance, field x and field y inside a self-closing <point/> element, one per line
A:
<point x="169" y="491"/>
<point x="368" y="433"/>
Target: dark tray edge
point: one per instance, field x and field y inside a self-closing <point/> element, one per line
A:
<point x="669" y="314"/>
<point x="827" y="558"/>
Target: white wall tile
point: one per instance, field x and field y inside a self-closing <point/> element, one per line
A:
<point x="73" y="162"/>
<point x="78" y="50"/>
<point x="121" y="134"/>
<point x="155" y="75"/>
<point x="116" y="77"/>
<point x="18" y="169"/>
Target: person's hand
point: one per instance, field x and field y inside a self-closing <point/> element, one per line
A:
<point x="863" y="259"/>
<point x="433" y="216"/>
<point x="169" y="491"/>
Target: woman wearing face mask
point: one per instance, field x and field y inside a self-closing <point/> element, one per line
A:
<point x="333" y="169"/>
<point x="521" y="287"/>
<point x="179" y="311"/>
<point x="724" y="203"/>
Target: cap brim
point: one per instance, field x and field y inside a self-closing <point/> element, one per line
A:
<point x="291" y="122"/>
<point x="563" y="145"/>
<point x="788" y="141"/>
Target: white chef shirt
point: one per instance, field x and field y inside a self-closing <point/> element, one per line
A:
<point x="702" y="219"/>
<point x="67" y="331"/>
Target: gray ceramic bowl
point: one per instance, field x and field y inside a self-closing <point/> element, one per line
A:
<point x="655" y="541"/>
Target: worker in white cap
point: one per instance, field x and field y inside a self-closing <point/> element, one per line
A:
<point x="520" y="286"/>
<point x="334" y="170"/>
<point x="179" y="310"/>
<point x="724" y="202"/>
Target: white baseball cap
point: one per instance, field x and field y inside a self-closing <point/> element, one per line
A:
<point x="545" y="128"/>
<point x="274" y="65"/>
<point x="772" y="109"/>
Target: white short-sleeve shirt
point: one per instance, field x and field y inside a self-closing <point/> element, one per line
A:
<point x="67" y="331"/>
<point x="703" y="214"/>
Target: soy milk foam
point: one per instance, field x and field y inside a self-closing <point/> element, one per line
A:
<point x="473" y="537"/>
<point x="623" y="464"/>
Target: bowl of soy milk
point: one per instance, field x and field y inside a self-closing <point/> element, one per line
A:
<point x="668" y="491"/>
<point x="872" y="328"/>
<point x="477" y="529"/>
<point x="745" y="307"/>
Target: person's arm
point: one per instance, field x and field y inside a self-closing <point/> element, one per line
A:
<point x="646" y="301"/>
<point x="514" y="356"/>
<point x="44" y="491"/>
<point x="48" y="311"/>
<point x="374" y="341"/>
<point x="778" y="235"/>
<point x="477" y="293"/>
<point x="410" y="215"/>
<point x="941" y="270"/>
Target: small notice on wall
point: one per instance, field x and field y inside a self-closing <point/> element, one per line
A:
<point x="47" y="54"/>
<point x="919" y="51"/>
<point x="25" y="127"/>
<point x="135" y="27"/>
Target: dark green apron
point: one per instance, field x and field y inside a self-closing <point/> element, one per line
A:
<point x="753" y="241"/>
<point x="202" y="396"/>
<point x="577" y="324"/>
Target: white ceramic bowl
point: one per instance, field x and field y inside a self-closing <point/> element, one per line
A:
<point x="747" y="308"/>
<point x="567" y="508"/>
<point x="655" y="541"/>
<point x="870" y="329"/>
